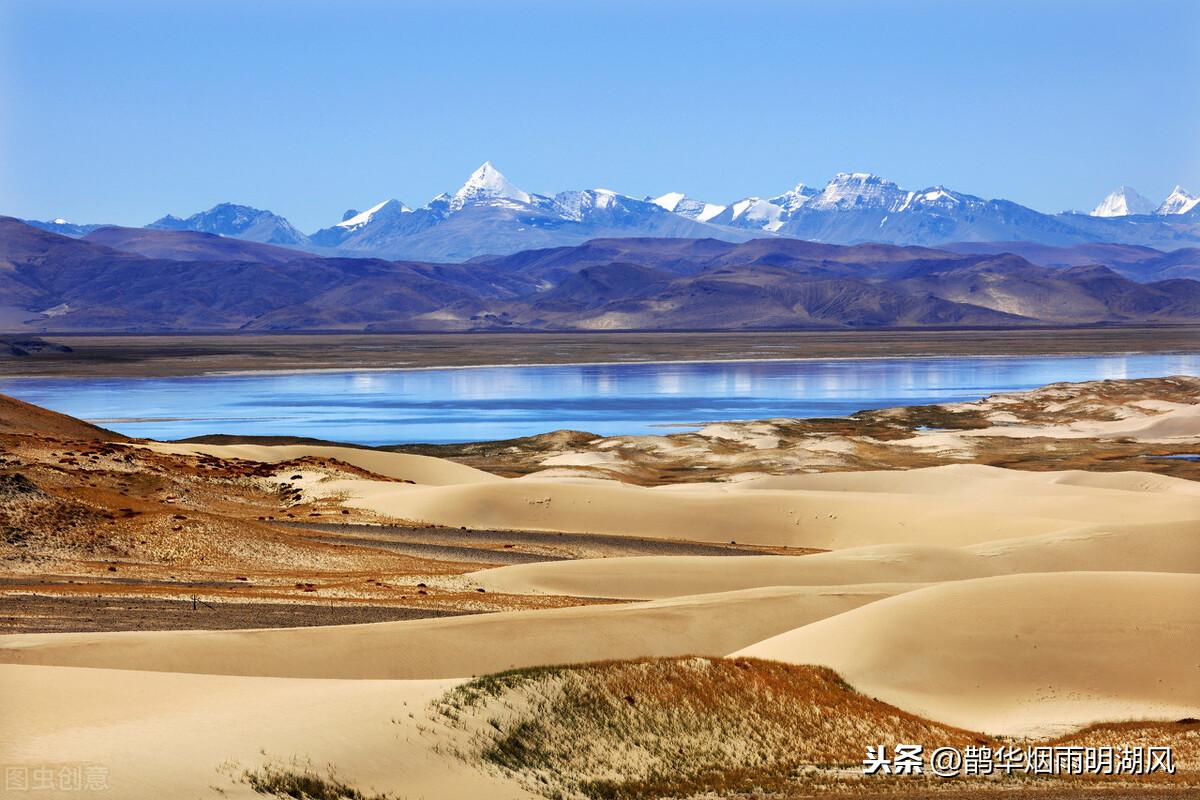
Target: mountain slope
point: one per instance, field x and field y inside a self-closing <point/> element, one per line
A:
<point x="1142" y="264"/>
<point x="355" y="221"/>
<point x="489" y="214"/>
<point x="770" y="297"/>
<point x="684" y="206"/>
<point x="67" y="284"/>
<point x="1178" y="202"/>
<point x="243" y="222"/>
<point x="929" y="217"/>
<point x="62" y="227"/>
<point x="1123" y="202"/>
<point x="19" y="417"/>
<point x="488" y="186"/>
<point x="762" y="285"/>
<point x="861" y="207"/>
<point x="52" y="282"/>
<point x="189" y="245"/>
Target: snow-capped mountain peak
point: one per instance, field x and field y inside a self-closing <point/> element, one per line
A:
<point x="684" y="206"/>
<point x="353" y="220"/>
<point x="488" y="214"/>
<point x="795" y="198"/>
<point x="239" y="221"/>
<point x="577" y="204"/>
<point x="936" y="194"/>
<point x="1121" y="203"/>
<point x="487" y="184"/>
<point x="755" y="212"/>
<point x="1180" y="201"/>
<point x="669" y="201"/>
<point x="858" y="190"/>
<point x="935" y="197"/>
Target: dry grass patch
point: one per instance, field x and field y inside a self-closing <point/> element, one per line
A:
<point x="675" y="727"/>
<point x="302" y="781"/>
<point x="1182" y="736"/>
<point x="32" y="519"/>
<point x="735" y="728"/>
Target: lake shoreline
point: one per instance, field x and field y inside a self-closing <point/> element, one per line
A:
<point x="224" y="354"/>
<point x="443" y="405"/>
<point x="255" y="373"/>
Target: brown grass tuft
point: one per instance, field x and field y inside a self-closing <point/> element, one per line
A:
<point x="676" y="727"/>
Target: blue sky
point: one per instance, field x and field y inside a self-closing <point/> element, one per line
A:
<point x="124" y="111"/>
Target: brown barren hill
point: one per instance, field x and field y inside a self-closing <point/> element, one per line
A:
<point x="19" y="417"/>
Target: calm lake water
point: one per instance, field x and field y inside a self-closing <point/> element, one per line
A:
<point x="456" y="405"/>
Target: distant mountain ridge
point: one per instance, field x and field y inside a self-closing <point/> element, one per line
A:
<point x="63" y="227"/>
<point x="139" y="280"/>
<point x="241" y="222"/>
<point x="190" y="245"/>
<point x="1178" y="202"/>
<point x="490" y="215"/>
<point x="1122" y="203"/>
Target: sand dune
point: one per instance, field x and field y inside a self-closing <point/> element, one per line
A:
<point x="1174" y="421"/>
<point x="1019" y="654"/>
<point x="160" y="735"/>
<point x="457" y="647"/>
<point x="1175" y="424"/>
<point x="1010" y="602"/>
<point x="419" y="469"/>
<point x="1154" y="547"/>
<point x="1180" y="421"/>
<point x="974" y="479"/>
<point x="979" y="504"/>
<point x="830" y="511"/>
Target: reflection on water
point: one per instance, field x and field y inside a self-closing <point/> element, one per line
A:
<point x="449" y="405"/>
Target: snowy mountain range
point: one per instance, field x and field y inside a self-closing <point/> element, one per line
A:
<point x="490" y="215"/>
<point x="1125" y="202"/>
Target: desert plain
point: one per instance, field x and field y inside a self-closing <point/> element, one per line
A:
<point x="735" y="611"/>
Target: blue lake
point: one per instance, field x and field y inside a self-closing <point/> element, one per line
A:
<point x="455" y="405"/>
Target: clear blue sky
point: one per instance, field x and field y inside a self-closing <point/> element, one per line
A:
<point x="124" y="111"/>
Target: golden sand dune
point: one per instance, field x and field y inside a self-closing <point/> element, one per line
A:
<point x="457" y="647"/>
<point x="975" y="504"/>
<point x="975" y="479"/>
<point x="1173" y="424"/>
<point x="1020" y="654"/>
<point x="158" y="735"/>
<point x="401" y="466"/>
<point x="1152" y="547"/>
<point x="709" y="726"/>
